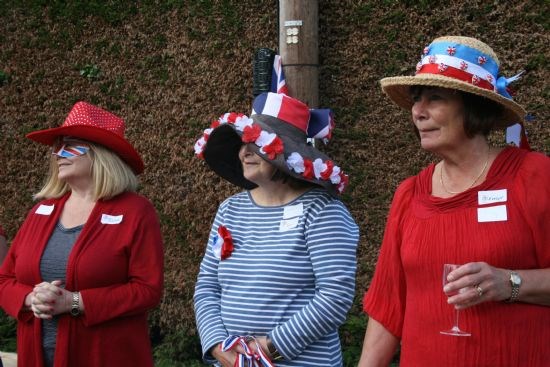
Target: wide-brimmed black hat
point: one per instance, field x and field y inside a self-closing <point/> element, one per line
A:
<point x="278" y="129"/>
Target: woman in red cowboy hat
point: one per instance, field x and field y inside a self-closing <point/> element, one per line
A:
<point x="278" y="275"/>
<point x="87" y="263"/>
<point x="481" y="213"/>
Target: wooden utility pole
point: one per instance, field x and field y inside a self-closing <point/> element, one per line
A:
<point x="299" y="48"/>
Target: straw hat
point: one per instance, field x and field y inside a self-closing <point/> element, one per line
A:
<point x="278" y="130"/>
<point x="461" y="63"/>
<point x="91" y="123"/>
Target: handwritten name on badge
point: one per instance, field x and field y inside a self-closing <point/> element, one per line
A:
<point x="492" y="196"/>
<point x="45" y="209"/>
<point x="111" y="219"/>
<point x="492" y="214"/>
<point x="288" y="224"/>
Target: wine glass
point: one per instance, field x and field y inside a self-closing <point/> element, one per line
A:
<point x="455" y="330"/>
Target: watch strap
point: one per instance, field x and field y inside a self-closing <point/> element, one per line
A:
<point x="75" y="304"/>
<point x="515" y="288"/>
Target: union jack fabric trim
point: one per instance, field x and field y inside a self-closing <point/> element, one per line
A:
<point x="315" y="123"/>
<point x="456" y="74"/>
<point x="466" y="64"/>
<point x="282" y="107"/>
<point x="460" y="64"/>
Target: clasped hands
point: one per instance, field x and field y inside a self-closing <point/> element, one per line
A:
<point x="477" y="282"/>
<point x="228" y="358"/>
<point x="48" y="299"/>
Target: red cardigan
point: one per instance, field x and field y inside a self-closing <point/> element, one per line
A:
<point x="117" y="265"/>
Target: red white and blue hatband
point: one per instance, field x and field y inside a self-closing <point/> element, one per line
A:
<point x="277" y="130"/>
<point x="460" y="63"/>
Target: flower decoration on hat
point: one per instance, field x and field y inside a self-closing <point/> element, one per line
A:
<point x="321" y="170"/>
<point x="270" y="144"/>
<point x="278" y="127"/>
<point x="222" y="243"/>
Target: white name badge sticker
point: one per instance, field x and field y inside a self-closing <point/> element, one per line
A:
<point x="492" y="196"/>
<point x="111" y="219"/>
<point x="293" y="211"/>
<point x="288" y="224"/>
<point x="492" y="214"/>
<point x="45" y="209"/>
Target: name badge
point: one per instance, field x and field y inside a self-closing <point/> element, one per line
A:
<point x="45" y="209"/>
<point x="288" y="224"/>
<point x="111" y="219"/>
<point x="492" y="196"/>
<point x="293" y="211"/>
<point x="492" y="214"/>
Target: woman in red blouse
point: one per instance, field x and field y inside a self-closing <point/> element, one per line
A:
<point x="87" y="263"/>
<point x="3" y="245"/>
<point x="482" y="207"/>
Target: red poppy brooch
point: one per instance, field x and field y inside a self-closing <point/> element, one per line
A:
<point x="222" y="245"/>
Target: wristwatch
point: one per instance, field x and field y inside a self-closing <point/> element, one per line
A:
<point x="515" y="281"/>
<point x="273" y="352"/>
<point x="75" y="305"/>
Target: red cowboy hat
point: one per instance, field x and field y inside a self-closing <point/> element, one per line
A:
<point x="91" y="123"/>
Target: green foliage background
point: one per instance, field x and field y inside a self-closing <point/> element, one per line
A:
<point x="170" y="67"/>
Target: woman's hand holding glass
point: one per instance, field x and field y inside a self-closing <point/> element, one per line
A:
<point x="480" y="282"/>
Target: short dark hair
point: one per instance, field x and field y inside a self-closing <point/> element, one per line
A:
<point x="481" y="114"/>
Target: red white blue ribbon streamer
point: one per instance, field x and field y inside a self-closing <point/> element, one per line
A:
<point x="250" y="358"/>
<point x="465" y="63"/>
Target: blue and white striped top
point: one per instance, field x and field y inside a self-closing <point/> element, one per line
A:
<point x="291" y="275"/>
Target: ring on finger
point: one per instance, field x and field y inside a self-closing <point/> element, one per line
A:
<point x="479" y="290"/>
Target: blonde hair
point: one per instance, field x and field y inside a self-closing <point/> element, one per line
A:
<point x="110" y="176"/>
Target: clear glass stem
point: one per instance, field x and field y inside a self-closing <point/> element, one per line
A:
<point x="455" y="327"/>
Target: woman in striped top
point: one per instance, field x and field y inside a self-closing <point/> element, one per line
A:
<point x="278" y="275"/>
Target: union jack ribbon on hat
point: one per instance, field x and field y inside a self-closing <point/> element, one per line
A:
<point x="466" y="64"/>
<point x="315" y="123"/>
<point x="250" y="358"/>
